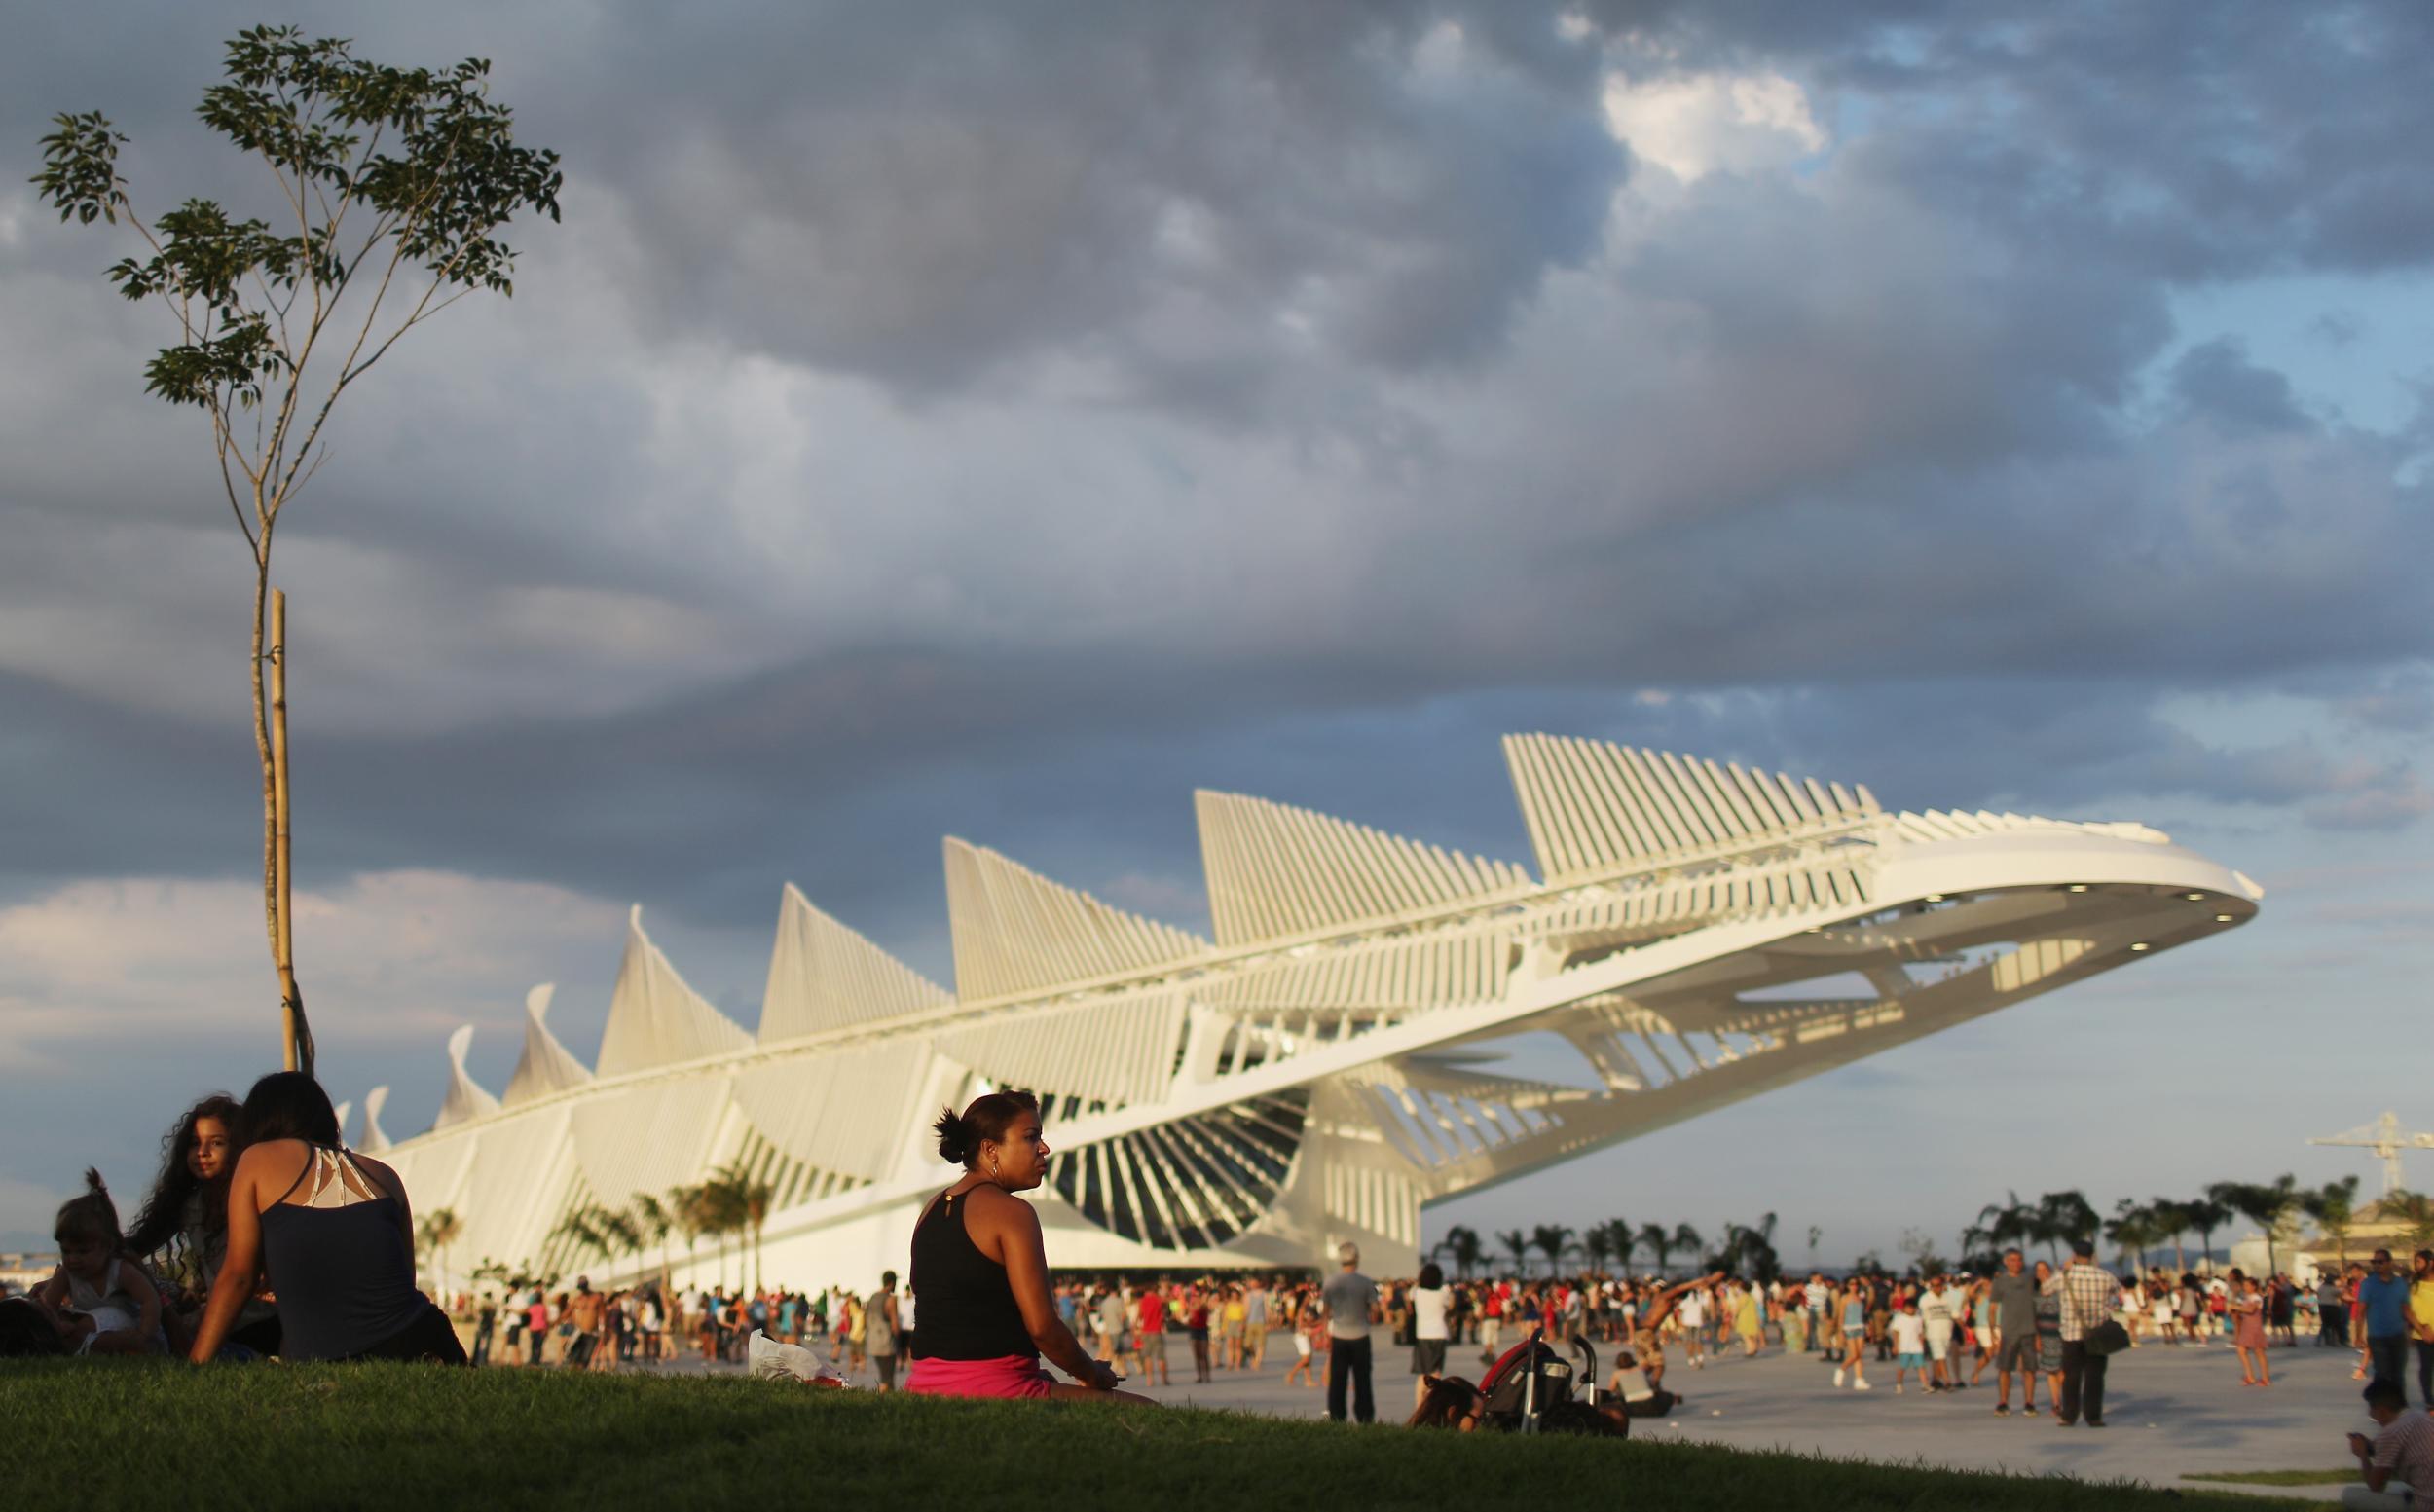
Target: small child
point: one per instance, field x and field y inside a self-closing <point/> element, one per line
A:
<point x="100" y="1299"/>
<point x="1910" y="1343"/>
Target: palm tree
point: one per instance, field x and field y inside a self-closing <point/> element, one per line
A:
<point x="752" y="1194"/>
<point x="1553" y="1240"/>
<point x="2205" y="1215"/>
<point x="2002" y="1224"/>
<point x="623" y="1233"/>
<point x="2172" y="1223"/>
<point x="2131" y="1228"/>
<point x="653" y="1218"/>
<point x="1689" y="1239"/>
<point x="1596" y="1244"/>
<point x="2262" y="1204"/>
<point x="2065" y="1215"/>
<point x="1815" y="1233"/>
<point x="684" y="1204"/>
<point x="1658" y="1241"/>
<point x="1517" y="1245"/>
<point x="1461" y="1245"/>
<point x="2334" y="1207"/>
<point x="2413" y="1211"/>
<point x="577" y="1229"/>
<point x="437" y="1230"/>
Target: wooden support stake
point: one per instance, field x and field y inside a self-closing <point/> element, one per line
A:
<point x="298" y="1036"/>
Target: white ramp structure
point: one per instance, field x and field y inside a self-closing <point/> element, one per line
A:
<point x="1347" y="1049"/>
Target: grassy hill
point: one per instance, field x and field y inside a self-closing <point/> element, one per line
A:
<point x="92" y="1437"/>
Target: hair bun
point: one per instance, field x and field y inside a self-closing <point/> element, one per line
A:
<point x="93" y="1183"/>
<point x="955" y="1142"/>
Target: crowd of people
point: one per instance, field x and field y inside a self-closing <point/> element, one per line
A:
<point x="267" y="1189"/>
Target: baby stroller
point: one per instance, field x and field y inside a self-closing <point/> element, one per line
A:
<point x="1534" y="1379"/>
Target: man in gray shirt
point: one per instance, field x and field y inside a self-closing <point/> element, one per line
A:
<point x="1351" y="1303"/>
<point x="2013" y="1294"/>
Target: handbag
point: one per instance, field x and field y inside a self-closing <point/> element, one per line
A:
<point x="2105" y="1339"/>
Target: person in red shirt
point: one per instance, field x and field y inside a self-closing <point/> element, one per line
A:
<point x="1150" y="1336"/>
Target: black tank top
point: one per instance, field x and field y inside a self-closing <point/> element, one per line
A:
<point x="343" y="1274"/>
<point x="968" y="1309"/>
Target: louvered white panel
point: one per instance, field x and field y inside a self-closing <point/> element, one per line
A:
<point x="514" y="1184"/>
<point x="848" y="1111"/>
<point x="1275" y="870"/>
<point x="375" y="1138"/>
<point x="546" y="1066"/>
<point x="1420" y="972"/>
<point x="1015" y="931"/>
<point x="654" y="1019"/>
<point x="647" y="1138"/>
<point x="1596" y="809"/>
<point x="437" y="1177"/>
<point x="465" y="1099"/>
<point x="1118" y="1050"/>
<point x="823" y="976"/>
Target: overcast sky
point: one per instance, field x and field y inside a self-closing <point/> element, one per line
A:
<point x="1000" y="420"/>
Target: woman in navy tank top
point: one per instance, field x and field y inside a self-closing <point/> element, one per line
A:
<point x="334" y="1232"/>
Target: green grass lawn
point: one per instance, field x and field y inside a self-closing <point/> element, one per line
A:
<point x="2347" y="1475"/>
<point x="93" y="1437"/>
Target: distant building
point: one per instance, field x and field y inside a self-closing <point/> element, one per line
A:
<point x="22" y="1271"/>
<point x="1694" y="932"/>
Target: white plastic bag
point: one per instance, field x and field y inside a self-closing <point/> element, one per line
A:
<point x="767" y="1358"/>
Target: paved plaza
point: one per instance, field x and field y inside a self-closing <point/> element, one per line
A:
<point x="2169" y="1410"/>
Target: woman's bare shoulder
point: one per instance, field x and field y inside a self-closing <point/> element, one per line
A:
<point x="995" y="1205"/>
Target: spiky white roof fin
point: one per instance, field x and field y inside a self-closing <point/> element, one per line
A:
<point x="1015" y="930"/>
<point x="374" y="1137"/>
<point x="1596" y="809"/>
<point x="345" y="1111"/>
<point x="1275" y="871"/>
<point x="654" y="1019"/>
<point x="823" y="976"/>
<point x="546" y="1065"/>
<point x="465" y="1097"/>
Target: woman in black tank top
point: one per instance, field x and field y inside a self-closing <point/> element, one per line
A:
<point x="981" y="1269"/>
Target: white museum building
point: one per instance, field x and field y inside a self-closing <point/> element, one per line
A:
<point x="1347" y="1049"/>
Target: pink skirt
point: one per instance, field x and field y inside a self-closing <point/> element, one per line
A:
<point x="1008" y="1375"/>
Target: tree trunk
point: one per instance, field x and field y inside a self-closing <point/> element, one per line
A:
<point x="296" y="1033"/>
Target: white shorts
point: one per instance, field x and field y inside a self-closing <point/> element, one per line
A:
<point x="1300" y="1345"/>
<point x="1938" y="1340"/>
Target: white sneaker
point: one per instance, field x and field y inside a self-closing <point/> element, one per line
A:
<point x="1837" y="1375"/>
<point x="1861" y="1384"/>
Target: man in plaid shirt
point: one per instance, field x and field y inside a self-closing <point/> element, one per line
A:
<point x="2088" y="1298"/>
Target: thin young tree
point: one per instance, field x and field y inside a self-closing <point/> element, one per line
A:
<point x="392" y="185"/>
<point x="437" y="1230"/>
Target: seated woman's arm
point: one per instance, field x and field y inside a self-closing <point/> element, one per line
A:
<point x="240" y="1268"/>
<point x="1024" y="1255"/>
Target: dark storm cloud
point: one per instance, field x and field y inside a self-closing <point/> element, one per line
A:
<point x="1001" y="425"/>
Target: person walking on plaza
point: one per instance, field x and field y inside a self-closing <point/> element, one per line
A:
<point x="2088" y="1297"/>
<point x="1254" y="1325"/>
<point x="2421" y="1323"/>
<point x="2402" y="1450"/>
<point x="2248" y="1316"/>
<point x="2384" y="1297"/>
<point x="2013" y="1295"/>
<point x="1854" y="1301"/>
<point x="1430" y="1302"/>
<point x="1351" y="1303"/>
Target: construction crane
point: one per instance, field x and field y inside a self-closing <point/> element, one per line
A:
<point x="2386" y="1137"/>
